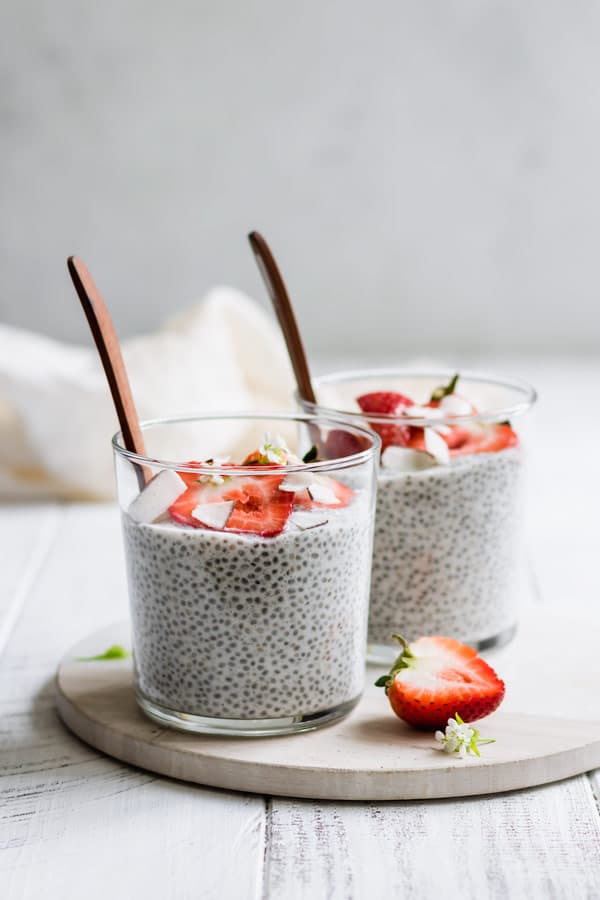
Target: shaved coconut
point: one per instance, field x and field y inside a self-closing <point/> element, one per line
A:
<point x="322" y="494"/>
<point x="422" y="412"/>
<point x="452" y="405"/>
<point x="305" y="519"/>
<point x="213" y="515"/>
<point x="157" y="497"/>
<point x="297" y="482"/>
<point x="406" y="459"/>
<point x="436" y="445"/>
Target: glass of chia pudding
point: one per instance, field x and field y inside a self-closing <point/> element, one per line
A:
<point x="448" y="516"/>
<point x="248" y="569"/>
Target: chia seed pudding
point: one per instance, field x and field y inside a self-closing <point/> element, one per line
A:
<point x="448" y="512"/>
<point x="445" y="544"/>
<point x="243" y="627"/>
<point x="249" y="582"/>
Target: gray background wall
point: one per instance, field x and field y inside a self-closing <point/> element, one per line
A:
<point x="426" y="172"/>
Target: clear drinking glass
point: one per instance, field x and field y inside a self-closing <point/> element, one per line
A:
<point x="240" y="632"/>
<point x="448" y="518"/>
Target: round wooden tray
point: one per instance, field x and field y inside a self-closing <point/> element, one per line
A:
<point x="548" y="728"/>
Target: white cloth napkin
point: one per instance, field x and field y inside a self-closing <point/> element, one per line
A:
<point x="56" y="416"/>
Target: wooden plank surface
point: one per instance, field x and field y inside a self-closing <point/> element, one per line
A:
<point x="76" y="824"/>
<point x="540" y="844"/>
<point x="73" y="823"/>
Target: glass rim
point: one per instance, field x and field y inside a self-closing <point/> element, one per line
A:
<point x="528" y="393"/>
<point x="324" y="465"/>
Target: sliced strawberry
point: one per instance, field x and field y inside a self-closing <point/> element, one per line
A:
<point x="191" y="477"/>
<point x="457" y="436"/>
<point x="387" y="403"/>
<point x="481" y="438"/>
<point x="454" y="437"/>
<point x="463" y="440"/>
<point x="232" y="488"/>
<point x="343" y="494"/>
<point x="436" y="677"/>
<point x="265" y="510"/>
<point x="253" y="459"/>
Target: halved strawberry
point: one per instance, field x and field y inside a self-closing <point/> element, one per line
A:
<point x="484" y="438"/>
<point x="265" y="510"/>
<point x="436" y="677"/>
<point x="343" y="495"/>
<point x="387" y="403"/>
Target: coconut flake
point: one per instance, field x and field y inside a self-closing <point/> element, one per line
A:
<point x="406" y="459"/>
<point x="304" y="519"/>
<point x="157" y="497"/>
<point x="453" y="405"/>
<point x="436" y="445"/>
<point x="422" y="412"/>
<point x="299" y="481"/>
<point x="213" y="515"/>
<point x="320" y="493"/>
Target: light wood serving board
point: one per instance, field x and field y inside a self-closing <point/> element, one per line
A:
<point x="548" y="728"/>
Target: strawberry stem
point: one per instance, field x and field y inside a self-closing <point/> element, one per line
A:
<point x="445" y="390"/>
<point x="400" y="662"/>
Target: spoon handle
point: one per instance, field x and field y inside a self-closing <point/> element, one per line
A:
<point x="109" y="350"/>
<point x="285" y="314"/>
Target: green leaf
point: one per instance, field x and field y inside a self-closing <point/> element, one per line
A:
<point x="473" y="747"/>
<point x="114" y="652"/>
<point x="382" y="681"/>
<point x="311" y="454"/>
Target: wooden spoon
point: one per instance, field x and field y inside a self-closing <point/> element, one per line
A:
<point x="285" y="314"/>
<point x="109" y="350"/>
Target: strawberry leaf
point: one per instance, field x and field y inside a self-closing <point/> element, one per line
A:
<point x="445" y="390"/>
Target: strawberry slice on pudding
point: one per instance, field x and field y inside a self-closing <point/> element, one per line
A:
<point x="485" y="438"/>
<point x="387" y="403"/>
<point x="326" y="493"/>
<point x="266" y="509"/>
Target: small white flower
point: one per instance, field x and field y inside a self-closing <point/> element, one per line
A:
<point x="460" y="738"/>
<point x="216" y="478"/>
<point x="274" y="449"/>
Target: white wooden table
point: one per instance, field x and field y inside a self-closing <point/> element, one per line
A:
<point x="75" y="824"/>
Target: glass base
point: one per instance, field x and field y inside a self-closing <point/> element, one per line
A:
<point x="243" y="727"/>
<point x="385" y="654"/>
